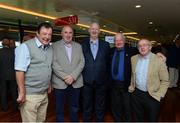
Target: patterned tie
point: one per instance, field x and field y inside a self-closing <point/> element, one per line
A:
<point x="116" y="63"/>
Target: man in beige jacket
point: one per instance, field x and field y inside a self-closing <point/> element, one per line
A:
<point x="149" y="82"/>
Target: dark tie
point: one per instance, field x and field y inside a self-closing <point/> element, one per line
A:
<point x="116" y="63"/>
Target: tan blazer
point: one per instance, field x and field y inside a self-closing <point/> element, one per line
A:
<point x="157" y="78"/>
<point x="62" y="67"/>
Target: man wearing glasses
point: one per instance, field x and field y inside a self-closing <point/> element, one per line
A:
<point x="149" y="82"/>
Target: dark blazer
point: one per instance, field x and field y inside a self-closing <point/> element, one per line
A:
<point x="129" y="51"/>
<point x="97" y="70"/>
<point x="7" y="71"/>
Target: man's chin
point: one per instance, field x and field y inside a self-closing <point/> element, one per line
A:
<point x="45" y="43"/>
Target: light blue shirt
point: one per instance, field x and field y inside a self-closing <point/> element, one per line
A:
<point x="141" y="72"/>
<point x="22" y="55"/>
<point x="94" y="47"/>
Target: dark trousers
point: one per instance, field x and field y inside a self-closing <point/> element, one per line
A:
<point x="143" y="103"/>
<point x="120" y="103"/>
<point x="94" y="95"/>
<point x="72" y="96"/>
<point x="8" y="86"/>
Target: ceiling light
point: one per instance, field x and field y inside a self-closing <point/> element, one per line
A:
<point x="150" y="22"/>
<point x="104" y="26"/>
<point x="130" y="33"/>
<point x="138" y="6"/>
<point x="155" y="30"/>
<point x="47" y="21"/>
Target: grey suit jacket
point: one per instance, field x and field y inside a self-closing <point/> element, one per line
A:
<point x="62" y="67"/>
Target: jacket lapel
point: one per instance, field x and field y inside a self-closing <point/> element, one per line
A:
<point x="99" y="50"/>
<point x="64" y="51"/>
<point x="73" y="52"/>
<point x="150" y="66"/>
<point x="89" y="49"/>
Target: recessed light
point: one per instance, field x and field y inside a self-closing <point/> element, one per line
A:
<point x="47" y="21"/>
<point x="138" y="6"/>
<point x="104" y="26"/>
<point x="155" y="30"/>
<point x="150" y="22"/>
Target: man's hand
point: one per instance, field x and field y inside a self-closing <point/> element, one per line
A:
<point x="161" y="56"/>
<point x="130" y="89"/>
<point x="68" y="79"/>
<point x="21" y="98"/>
<point x="50" y="89"/>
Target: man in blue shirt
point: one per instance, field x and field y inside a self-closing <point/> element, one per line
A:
<point x="33" y="61"/>
<point x="121" y="74"/>
<point x="95" y="74"/>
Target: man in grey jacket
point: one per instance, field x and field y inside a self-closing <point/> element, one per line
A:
<point x="67" y="80"/>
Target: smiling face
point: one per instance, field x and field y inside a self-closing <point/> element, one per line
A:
<point x="44" y="35"/>
<point x="94" y="31"/>
<point x="144" y="47"/>
<point x="67" y="34"/>
<point x="119" y="40"/>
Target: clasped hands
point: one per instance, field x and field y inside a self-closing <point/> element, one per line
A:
<point x="68" y="79"/>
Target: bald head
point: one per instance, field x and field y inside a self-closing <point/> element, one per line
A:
<point x="67" y="34"/>
<point x="94" y="31"/>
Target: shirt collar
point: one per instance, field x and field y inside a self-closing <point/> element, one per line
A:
<point x="120" y="49"/>
<point x="69" y="45"/>
<point x="39" y="44"/>
<point x="145" y="57"/>
<point x="95" y="42"/>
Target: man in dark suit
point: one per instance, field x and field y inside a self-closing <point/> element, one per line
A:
<point x="121" y="75"/>
<point x="95" y="74"/>
<point x="7" y="75"/>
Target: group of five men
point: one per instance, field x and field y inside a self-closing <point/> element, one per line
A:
<point x="92" y="66"/>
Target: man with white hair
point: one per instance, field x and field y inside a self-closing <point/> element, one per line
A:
<point x="149" y="82"/>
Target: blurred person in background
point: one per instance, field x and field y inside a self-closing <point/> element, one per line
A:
<point x="173" y="62"/>
<point x="7" y="74"/>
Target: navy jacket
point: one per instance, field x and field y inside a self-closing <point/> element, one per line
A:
<point x="97" y="70"/>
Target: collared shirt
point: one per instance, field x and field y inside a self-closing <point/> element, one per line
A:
<point x="22" y="55"/>
<point x="68" y="48"/>
<point x="94" y="47"/>
<point x="120" y="75"/>
<point x="141" y="72"/>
